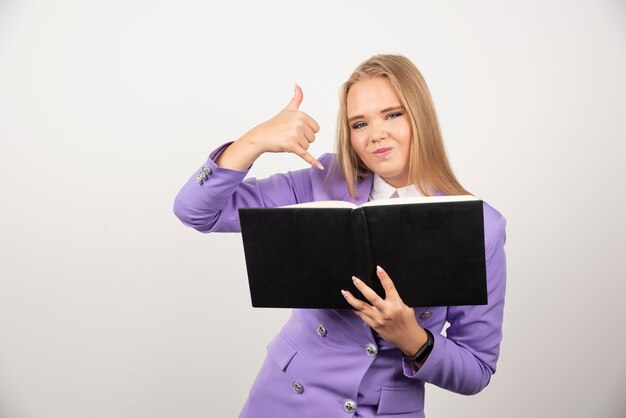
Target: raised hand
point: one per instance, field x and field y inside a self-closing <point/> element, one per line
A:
<point x="291" y="130"/>
<point x="390" y="317"/>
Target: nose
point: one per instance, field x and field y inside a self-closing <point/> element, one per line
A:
<point x="378" y="132"/>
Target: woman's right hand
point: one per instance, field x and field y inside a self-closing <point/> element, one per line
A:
<point x="291" y="130"/>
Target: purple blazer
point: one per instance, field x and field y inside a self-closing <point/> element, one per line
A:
<point x="329" y="363"/>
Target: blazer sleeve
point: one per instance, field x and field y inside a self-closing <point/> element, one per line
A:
<point x="210" y="199"/>
<point x="464" y="360"/>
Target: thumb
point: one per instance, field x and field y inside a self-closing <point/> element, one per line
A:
<point x="294" y="104"/>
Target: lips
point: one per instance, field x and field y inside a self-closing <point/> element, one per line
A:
<point x="382" y="151"/>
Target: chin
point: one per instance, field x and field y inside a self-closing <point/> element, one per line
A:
<point x="393" y="176"/>
<point x="388" y="173"/>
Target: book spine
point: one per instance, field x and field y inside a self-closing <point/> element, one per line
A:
<point x="363" y="248"/>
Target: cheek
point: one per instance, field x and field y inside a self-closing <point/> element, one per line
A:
<point x="357" y="144"/>
<point x="406" y="132"/>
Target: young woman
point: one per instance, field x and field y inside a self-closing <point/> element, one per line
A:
<point x="372" y="361"/>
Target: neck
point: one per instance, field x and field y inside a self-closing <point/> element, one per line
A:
<point x="397" y="183"/>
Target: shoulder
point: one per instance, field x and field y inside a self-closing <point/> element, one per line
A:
<point x="332" y="169"/>
<point x="328" y="160"/>
<point x="310" y="183"/>
<point x="328" y="156"/>
<point x="330" y="183"/>
<point x="495" y="229"/>
<point x="313" y="175"/>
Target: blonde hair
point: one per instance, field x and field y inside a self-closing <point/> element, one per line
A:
<point x="429" y="169"/>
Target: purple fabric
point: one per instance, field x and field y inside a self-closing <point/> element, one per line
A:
<point x="335" y="367"/>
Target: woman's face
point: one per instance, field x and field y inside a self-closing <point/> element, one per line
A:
<point x="380" y="129"/>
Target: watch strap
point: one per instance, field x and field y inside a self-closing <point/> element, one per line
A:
<point x="424" y="350"/>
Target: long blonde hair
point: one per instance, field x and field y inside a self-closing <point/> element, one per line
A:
<point x="429" y="169"/>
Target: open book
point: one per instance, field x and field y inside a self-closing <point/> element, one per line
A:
<point x="301" y="256"/>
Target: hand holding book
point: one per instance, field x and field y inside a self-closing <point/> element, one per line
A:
<point x="390" y="317"/>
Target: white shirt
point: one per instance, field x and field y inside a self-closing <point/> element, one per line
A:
<point x="383" y="190"/>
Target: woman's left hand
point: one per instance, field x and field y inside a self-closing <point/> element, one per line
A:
<point x="390" y="317"/>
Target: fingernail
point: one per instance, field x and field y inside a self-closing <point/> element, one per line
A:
<point x="344" y="293"/>
<point x="321" y="167"/>
<point x="379" y="269"/>
<point x="355" y="280"/>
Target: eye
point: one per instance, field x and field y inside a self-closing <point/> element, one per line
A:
<point x="394" y="115"/>
<point x="358" y="125"/>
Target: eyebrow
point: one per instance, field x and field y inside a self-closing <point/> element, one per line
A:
<point x="388" y="109"/>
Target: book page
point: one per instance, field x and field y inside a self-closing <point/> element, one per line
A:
<point x="419" y="199"/>
<point x="382" y="202"/>
<point x="323" y="204"/>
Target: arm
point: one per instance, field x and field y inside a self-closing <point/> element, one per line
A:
<point x="210" y="198"/>
<point x="464" y="361"/>
<point x="212" y="205"/>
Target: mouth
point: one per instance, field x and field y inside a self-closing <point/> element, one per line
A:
<point x="382" y="151"/>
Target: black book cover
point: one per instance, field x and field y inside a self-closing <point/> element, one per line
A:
<point x="301" y="257"/>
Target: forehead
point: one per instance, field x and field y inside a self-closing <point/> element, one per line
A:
<point x="371" y="94"/>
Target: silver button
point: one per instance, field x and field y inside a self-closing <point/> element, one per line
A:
<point x="349" y="406"/>
<point x="371" y="349"/>
<point x="206" y="170"/>
<point x="297" y="387"/>
<point x="426" y="315"/>
<point x="200" y="180"/>
<point x="321" y="330"/>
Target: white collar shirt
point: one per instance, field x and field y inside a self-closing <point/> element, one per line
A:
<point x="383" y="190"/>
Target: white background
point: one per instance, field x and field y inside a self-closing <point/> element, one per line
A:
<point x="111" y="308"/>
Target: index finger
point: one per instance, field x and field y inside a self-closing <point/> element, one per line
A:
<point x="385" y="280"/>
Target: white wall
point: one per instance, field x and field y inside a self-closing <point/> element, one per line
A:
<point x="110" y="307"/>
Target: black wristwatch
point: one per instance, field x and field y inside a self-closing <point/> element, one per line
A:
<point x="424" y="350"/>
